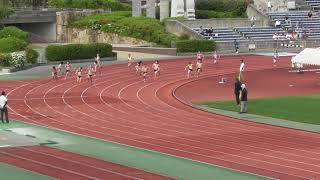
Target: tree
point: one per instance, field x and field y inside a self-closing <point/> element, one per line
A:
<point x="5" y="12"/>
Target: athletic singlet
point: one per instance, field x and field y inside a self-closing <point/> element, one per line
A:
<point x="215" y="56"/>
<point x="90" y="72"/>
<point x="189" y="66"/>
<point x="68" y="66"/>
<point x="155" y="66"/>
<point x="199" y="56"/>
<point x="199" y="65"/>
<point x="79" y="73"/>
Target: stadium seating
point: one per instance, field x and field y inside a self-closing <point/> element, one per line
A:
<point x="315" y="4"/>
<point x="259" y="33"/>
<point x="298" y="21"/>
<point x="220" y="34"/>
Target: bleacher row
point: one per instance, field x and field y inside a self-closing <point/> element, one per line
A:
<point x="315" y="4"/>
<point x="306" y="25"/>
<point x="298" y="21"/>
<point x="240" y="33"/>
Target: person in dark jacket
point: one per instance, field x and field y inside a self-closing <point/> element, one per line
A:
<point x="237" y="89"/>
<point x="243" y="99"/>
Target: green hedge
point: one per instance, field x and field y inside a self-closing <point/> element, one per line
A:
<point x="114" y="5"/>
<point x="122" y="23"/>
<point x="15" y="32"/>
<point x="10" y="44"/>
<point x="195" y="46"/>
<point x="31" y="55"/>
<point x="77" y="51"/>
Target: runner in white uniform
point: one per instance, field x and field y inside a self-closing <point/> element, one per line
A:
<point x="130" y="61"/>
<point x="199" y="67"/>
<point x="99" y="67"/>
<point x="60" y="72"/>
<point x="275" y="58"/>
<point x="90" y="72"/>
<point x="68" y="69"/>
<point x="79" y="75"/>
<point x="215" y="57"/>
<point x="200" y="56"/>
<point x="144" y="71"/>
<point x="241" y="70"/>
<point x="156" y="68"/>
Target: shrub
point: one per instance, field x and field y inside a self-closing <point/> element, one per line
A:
<point x="5" y="59"/>
<point x="5" y="12"/>
<point x="10" y="44"/>
<point x="195" y="45"/>
<point x="31" y="55"/>
<point x="122" y="23"/>
<point x="114" y="5"/>
<point x="206" y="9"/>
<point x="77" y="51"/>
<point x="184" y="37"/>
<point x="18" y="60"/>
<point x="15" y="32"/>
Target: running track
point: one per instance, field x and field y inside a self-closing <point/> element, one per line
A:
<point x="123" y="109"/>
<point x="65" y="165"/>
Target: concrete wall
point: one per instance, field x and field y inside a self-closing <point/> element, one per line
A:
<point x="177" y="28"/>
<point x="31" y="16"/>
<point x="47" y="31"/>
<point x="260" y="16"/>
<point x="220" y="23"/>
<point x="264" y="45"/>
<point x="63" y="18"/>
<point x="74" y="35"/>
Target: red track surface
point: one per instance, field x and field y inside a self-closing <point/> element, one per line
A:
<point x="121" y="108"/>
<point x="65" y="165"/>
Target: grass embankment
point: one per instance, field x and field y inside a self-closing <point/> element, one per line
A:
<point x="303" y="109"/>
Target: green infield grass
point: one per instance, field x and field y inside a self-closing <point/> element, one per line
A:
<point x="305" y="109"/>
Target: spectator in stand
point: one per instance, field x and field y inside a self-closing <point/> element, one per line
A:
<point x="275" y="36"/>
<point x="253" y="19"/>
<point x="211" y="31"/>
<point x="297" y="25"/>
<point x="269" y="6"/>
<point x="277" y="24"/>
<point x="286" y="19"/>
<point x="310" y="15"/>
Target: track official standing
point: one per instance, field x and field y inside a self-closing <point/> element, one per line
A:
<point x="243" y="99"/>
<point x="237" y="89"/>
<point x="3" y="106"/>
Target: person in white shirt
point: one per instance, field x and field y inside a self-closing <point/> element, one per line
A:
<point x="277" y="23"/>
<point x="269" y="5"/>
<point x="241" y="71"/>
<point x="3" y="106"/>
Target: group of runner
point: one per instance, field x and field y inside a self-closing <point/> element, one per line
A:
<point x="65" y="70"/>
<point x="199" y="64"/>
<point x="143" y="69"/>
